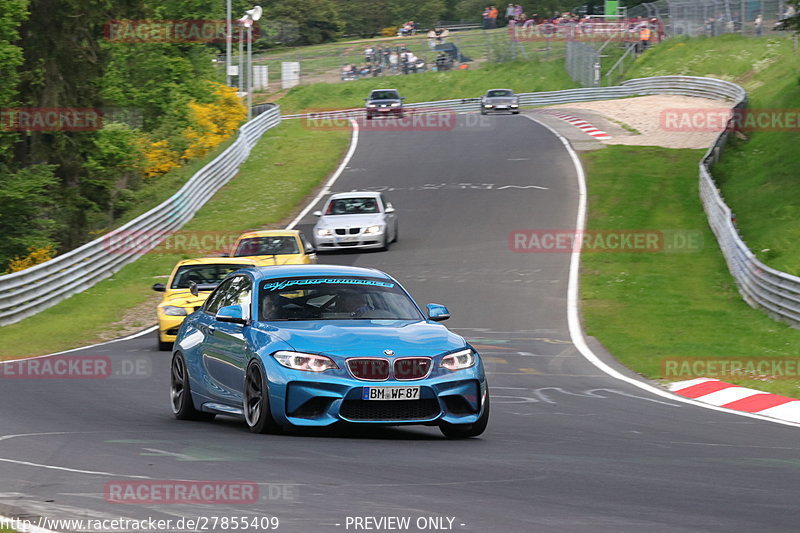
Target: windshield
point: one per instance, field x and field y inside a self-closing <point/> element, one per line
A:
<point x="202" y="275"/>
<point x="352" y="206"/>
<point x="499" y="92"/>
<point x="384" y="95"/>
<point x="335" y="298"/>
<point x="282" y="245"/>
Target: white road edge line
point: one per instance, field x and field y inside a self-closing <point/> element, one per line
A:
<point x="129" y="337"/>
<point x="573" y="315"/>
<point x="327" y="188"/>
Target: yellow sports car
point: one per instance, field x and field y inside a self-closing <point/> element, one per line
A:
<point x="275" y="247"/>
<point x="179" y="301"/>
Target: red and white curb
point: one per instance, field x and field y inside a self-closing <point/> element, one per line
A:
<point x="721" y="394"/>
<point x="582" y="125"/>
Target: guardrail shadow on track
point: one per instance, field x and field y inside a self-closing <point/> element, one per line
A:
<point x="25" y="293"/>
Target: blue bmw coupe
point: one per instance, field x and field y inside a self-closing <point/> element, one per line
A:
<point x="313" y="345"/>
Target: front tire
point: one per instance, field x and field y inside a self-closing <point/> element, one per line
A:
<point x="181" y="395"/>
<point x="466" y="431"/>
<point x="257" y="413"/>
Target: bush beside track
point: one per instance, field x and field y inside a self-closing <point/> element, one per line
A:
<point x="277" y="176"/>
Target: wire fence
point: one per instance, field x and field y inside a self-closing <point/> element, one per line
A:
<point x="342" y="62"/>
<point x="669" y="18"/>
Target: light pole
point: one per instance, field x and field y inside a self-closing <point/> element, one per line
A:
<point x="251" y="15"/>
<point x="228" y="38"/>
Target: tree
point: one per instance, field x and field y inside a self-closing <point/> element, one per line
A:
<point x="27" y="198"/>
<point x="365" y="18"/>
<point x="318" y="21"/>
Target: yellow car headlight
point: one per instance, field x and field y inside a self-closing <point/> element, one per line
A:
<point x="172" y="310"/>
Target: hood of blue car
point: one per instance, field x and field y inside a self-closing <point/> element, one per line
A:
<point x="350" y="338"/>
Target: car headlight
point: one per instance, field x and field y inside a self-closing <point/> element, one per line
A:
<point x="373" y="229"/>
<point x="171" y="310"/>
<point x="371" y="105"/>
<point x="514" y="105"/>
<point x="459" y="360"/>
<point x="396" y="104"/>
<point x="305" y="361"/>
<point x="324" y="232"/>
<point x="487" y="105"/>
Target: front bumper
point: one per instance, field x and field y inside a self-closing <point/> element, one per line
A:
<point x="322" y="400"/>
<point x="342" y="242"/>
<point x="492" y="108"/>
<point x="168" y="326"/>
<point x="384" y="111"/>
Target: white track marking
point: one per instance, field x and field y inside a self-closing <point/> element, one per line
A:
<point x="129" y="337"/>
<point x="327" y="188"/>
<point x="573" y="314"/>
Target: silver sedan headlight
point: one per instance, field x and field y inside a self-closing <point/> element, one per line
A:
<point x="324" y="232"/>
<point x="372" y="230"/>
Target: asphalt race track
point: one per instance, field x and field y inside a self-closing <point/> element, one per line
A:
<point x="568" y="449"/>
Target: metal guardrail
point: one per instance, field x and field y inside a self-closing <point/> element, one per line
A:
<point x="25" y="293"/>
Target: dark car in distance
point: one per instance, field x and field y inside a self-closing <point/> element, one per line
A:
<point x="384" y="102"/>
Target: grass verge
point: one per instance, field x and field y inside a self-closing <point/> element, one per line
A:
<point x="276" y="177"/>
<point x="647" y="307"/>
<point x="520" y="76"/>
<point x="757" y="176"/>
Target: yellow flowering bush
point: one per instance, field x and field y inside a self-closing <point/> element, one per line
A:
<point x="34" y="257"/>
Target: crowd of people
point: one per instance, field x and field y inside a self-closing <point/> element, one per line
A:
<point x="391" y="60"/>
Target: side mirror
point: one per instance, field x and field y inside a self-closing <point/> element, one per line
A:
<point x="232" y="314"/>
<point x="193" y="288"/>
<point x="390" y="209"/>
<point x="437" y="312"/>
<point x="159" y="287"/>
<point x="317" y="213"/>
<point x="402" y="98"/>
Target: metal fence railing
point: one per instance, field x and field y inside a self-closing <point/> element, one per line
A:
<point x="25" y="293"/>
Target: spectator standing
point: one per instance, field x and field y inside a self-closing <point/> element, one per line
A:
<point x="485" y="16"/>
<point x="510" y="14"/>
<point x="644" y="37"/>
<point x="394" y="59"/>
<point x="759" y="25"/>
<point x="517" y="10"/>
<point x="493" y="12"/>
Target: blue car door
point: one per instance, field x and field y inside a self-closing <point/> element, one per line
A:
<point x="224" y="349"/>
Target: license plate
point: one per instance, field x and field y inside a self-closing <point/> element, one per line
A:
<point x="502" y="107"/>
<point x="384" y="109"/>
<point x="390" y="393"/>
<point x="347" y="239"/>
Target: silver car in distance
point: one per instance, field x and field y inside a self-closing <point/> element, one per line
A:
<point x="362" y="220"/>
<point x="499" y="100"/>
